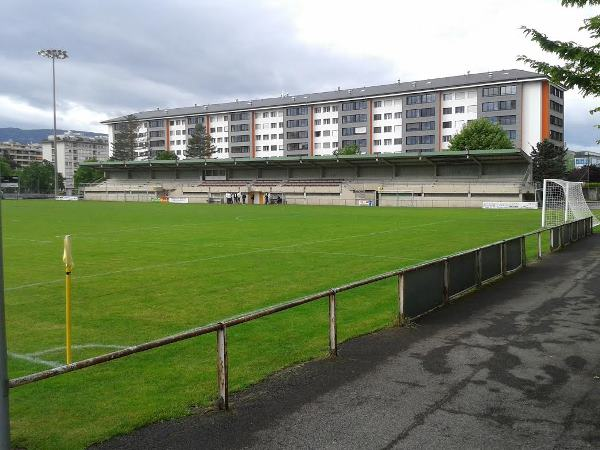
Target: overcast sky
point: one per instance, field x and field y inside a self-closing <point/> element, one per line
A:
<point x="128" y="56"/>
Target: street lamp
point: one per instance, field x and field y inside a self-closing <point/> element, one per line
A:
<point x="54" y="54"/>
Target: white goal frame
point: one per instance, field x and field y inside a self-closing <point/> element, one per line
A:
<point x="562" y="202"/>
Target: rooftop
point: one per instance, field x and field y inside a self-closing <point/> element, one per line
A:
<point x="343" y="94"/>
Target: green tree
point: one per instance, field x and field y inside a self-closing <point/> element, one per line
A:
<point x="548" y="161"/>
<point x="199" y="144"/>
<point x="351" y="149"/>
<point x="39" y="177"/>
<point x="87" y="174"/>
<point x="165" y="155"/>
<point x="579" y="65"/>
<point x="480" y="134"/>
<point x="125" y="140"/>
<point x="6" y="170"/>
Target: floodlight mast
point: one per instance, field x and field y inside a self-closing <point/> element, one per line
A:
<point x="54" y="54"/>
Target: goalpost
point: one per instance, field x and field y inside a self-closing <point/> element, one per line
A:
<point x="562" y="202"/>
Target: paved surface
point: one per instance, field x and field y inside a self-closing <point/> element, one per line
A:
<point x="516" y="365"/>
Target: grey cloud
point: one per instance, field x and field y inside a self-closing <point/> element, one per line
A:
<point x="133" y="55"/>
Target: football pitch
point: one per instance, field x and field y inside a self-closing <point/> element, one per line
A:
<point x="144" y="271"/>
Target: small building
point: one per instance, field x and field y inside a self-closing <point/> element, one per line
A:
<point x="72" y="149"/>
<point x="22" y="154"/>
<point x="583" y="159"/>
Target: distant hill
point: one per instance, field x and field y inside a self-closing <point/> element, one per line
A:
<point x="27" y="136"/>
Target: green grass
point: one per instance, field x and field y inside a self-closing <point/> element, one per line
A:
<point x="143" y="271"/>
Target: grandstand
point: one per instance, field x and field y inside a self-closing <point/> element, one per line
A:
<point x="427" y="179"/>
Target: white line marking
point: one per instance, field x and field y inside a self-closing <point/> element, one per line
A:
<point x="28" y="240"/>
<point x="231" y="255"/>
<point x="35" y="356"/>
<point x="33" y="359"/>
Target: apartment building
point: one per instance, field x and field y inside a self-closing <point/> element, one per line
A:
<point x="73" y="148"/>
<point x="22" y="154"/>
<point x="401" y="117"/>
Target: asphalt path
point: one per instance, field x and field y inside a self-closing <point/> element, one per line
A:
<point x="514" y="365"/>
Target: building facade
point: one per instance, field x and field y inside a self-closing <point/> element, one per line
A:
<point x="582" y="159"/>
<point x="22" y="154"/>
<point x="73" y="148"/>
<point x="418" y="116"/>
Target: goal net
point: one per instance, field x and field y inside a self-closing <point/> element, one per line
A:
<point x="563" y="201"/>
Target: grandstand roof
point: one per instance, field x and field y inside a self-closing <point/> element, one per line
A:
<point x="508" y="155"/>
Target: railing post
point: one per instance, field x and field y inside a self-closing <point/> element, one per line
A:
<point x="539" y="245"/>
<point x="523" y="252"/>
<point x="591" y="225"/>
<point x="503" y="258"/>
<point x="332" y="325"/>
<point x="560" y="231"/>
<point x="400" y="298"/>
<point x="222" y="367"/>
<point x="446" y="291"/>
<point x="478" y="274"/>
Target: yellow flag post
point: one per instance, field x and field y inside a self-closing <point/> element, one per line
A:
<point x="68" y="260"/>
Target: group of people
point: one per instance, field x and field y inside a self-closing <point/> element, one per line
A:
<point x="236" y="197"/>
<point x="232" y="198"/>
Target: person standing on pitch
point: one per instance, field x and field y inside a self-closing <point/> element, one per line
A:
<point x="244" y="198"/>
<point x="266" y="198"/>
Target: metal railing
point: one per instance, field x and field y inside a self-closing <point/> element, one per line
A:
<point x="420" y="289"/>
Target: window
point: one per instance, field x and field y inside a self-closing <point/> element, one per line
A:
<point x="280" y="124"/>
<point x="317" y="145"/>
<point x="297" y="123"/>
<point x="387" y="116"/>
<point x="554" y="106"/>
<point x="352" y="106"/>
<point x="273" y="114"/>
<point x="334" y="145"/>
<point x="239" y="116"/>
<point x="327" y="132"/>
<point x="387" y="129"/>
<point x="171" y="142"/>
<point x="273" y="125"/>
<point x="240" y="149"/>
<point x="556" y="92"/>
<point x="265" y="137"/>
<point x="178" y="122"/>
<point x="387" y="103"/>
<point x="472" y="94"/>
<point x="297" y="111"/>
<point x="178" y="141"/>
<point x="555" y="135"/>
<point x="459" y="95"/>
<point x="378" y="104"/>
<point x="294" y="146"/>
<point x="154" y="134"/>
<point x="375" y="117"/>
<point x="446" y="110"/>
<point x="240" y="138"/>
<point x="512" y="134"/>
<point x="420" y="126"/>
<point x="177" y="132"/>
<point x="499" y="90"/>
<point x="415" y="140"/>
<point x="446" y="138"/>
<point x="326" y="144"/>
<point x="359" y="142"/>
<point x="353" y="130"/>
<point x="503" y="120"/>
<point x="398" y="115"/>
<point x="273" y="148"/>
<point x="556" y="121"/>
<point x="281" y="136"/>
<point x="190" y="131"/>
<point x="172" y="122"/>
<point x="387" y="142"/>
<point x="256" y="126"/>
<point x="317" y="109"/>
<point x="377" y="142"/>
<point x="317" y="134"/>
<point x="212" y="130"/>
<point x="240" y="127"/>
<point x="265" y="115"/>
<point x="421" y="98"/>
<point x="326" y="109"/>
<point x="459" y="110"/>
<point x="219" y="129"/>
<point x="447" y="124"/>
<point x="334" y="120"/>
<point x="317" y="121"/>
<point x="157" y="123"/>
<point x="424" y="112"/>
<point x="326" y="121"/>
<point x="448" y="96"/>
<point x="397" y="141"/>
<point x="499" y="106"/>
<point x="355" y="118"/>
<point x="397" y="128"/>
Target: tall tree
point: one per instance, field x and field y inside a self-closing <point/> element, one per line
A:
<point x="480" y="134"/>
<point x="165" y="155"/>
<point x="351" y="149"/>
<point x="548" y="161"/>
<point x="199" y="144"/>
<point x="580" y="64"/>
<point x="87" y="174"/>
<point x="39" y="177"/>
<point x="125" y="140"/>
